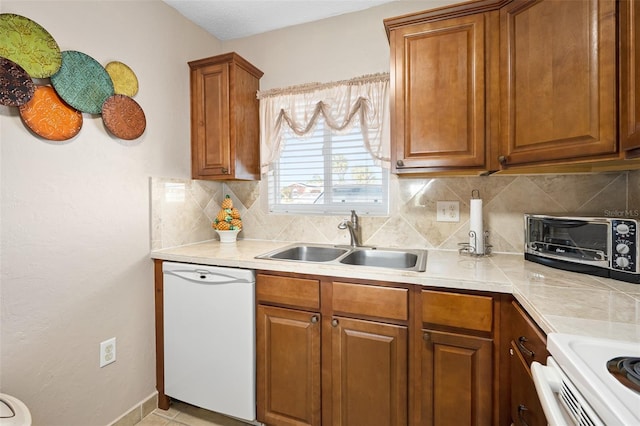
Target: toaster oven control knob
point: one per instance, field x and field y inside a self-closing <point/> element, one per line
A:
<point x="622" y="228"/>
<point x="622" y="248"/>
<point x="622" y="262"/>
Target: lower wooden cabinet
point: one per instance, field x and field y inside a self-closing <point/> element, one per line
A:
<point x="456" y="379"/>
<point x="335" y="352"/>
<point x="456" y="359"/>
<point x="525" y="405"/>
<point x="527" y="343"/>
<point x="288" y="366"/>
<point x="331" y="352"/>
<point x="369" y="373"/>
<point x="338" y="352"/>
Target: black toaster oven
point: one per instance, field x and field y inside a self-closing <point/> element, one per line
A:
<point x="602" y="246"/>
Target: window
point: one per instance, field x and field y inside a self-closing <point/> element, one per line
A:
<point x="327" y="173"/>
<point x="324" y="149"/>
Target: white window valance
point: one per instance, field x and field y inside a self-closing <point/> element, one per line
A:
<point x="343" y="103"/>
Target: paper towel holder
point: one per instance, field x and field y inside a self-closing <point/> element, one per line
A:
<point x="470" y="248"/>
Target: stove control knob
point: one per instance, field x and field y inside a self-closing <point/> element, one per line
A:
<point x="622" y="248"/>
<point x="622" y="262"/>
<point x="622" y="228"/>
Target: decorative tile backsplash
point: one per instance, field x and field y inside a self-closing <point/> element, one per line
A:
<point x="182" y="210"/>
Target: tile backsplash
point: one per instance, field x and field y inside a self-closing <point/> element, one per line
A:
<point x="182" y="210"/>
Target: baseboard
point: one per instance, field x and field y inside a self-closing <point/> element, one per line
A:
<point x="138" y="411"/>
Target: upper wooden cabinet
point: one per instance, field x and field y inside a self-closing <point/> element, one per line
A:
<point x="630" y="76"/>
<point x="558" y="75"/>
<point x="225" y="129"/>
<point x="439" y="71"/>
<point x="515" y="85"/>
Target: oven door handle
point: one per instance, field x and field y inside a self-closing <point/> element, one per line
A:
<point x="564" y="223"/>
<point x="548" y="383"/>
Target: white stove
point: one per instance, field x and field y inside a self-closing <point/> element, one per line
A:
<point x="577" y="388"/>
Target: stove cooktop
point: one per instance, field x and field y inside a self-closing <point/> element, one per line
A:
<point x="584" y="360"/>
<point x="627" y="370"/>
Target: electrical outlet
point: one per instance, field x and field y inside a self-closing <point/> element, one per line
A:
<point x="448" y="211"/>
<point x="107" y="352"/>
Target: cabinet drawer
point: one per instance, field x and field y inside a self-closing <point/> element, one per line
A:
<point x="457" y="310"/>
<point x="527" y="337"/>
<point x="385" y="302"/>
<point x="300" y="292"/>
<point x="525" y="405"/>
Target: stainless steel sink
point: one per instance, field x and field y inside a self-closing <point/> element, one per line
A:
<point x="382" y="258"/>
<point x="307" y="253"/>
<point x="410" y="259"/>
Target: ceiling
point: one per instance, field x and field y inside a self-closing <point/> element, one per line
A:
<point x="231" y="19"/>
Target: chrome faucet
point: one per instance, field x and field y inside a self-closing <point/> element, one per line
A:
<point x="354" y="229"/>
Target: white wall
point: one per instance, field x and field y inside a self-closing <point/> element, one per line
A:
<point x="332" y="49"/>
<point x="75" y="218"/>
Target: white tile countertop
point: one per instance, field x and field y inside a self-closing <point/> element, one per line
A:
<point x="558" y="301"/>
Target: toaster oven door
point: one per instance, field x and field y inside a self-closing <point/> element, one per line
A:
<point x="567" y="239"/>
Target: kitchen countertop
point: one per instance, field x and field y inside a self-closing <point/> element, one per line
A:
<point x="557" y="300"/>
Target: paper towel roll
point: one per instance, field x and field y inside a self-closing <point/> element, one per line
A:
<point x="476" y="227"/>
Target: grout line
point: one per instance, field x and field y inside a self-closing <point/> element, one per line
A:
<point x="160" y="412"/>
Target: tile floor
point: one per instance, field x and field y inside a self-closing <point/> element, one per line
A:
<point x="181" y="414"/>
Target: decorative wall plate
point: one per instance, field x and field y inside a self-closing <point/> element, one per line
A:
<point x="29" y="45"/>
<point x="82" y="82"/>
<point x="16" y="87"/>
<point x="49" y="117"/>
<point x="124" y="79"/>
<point x="123" y="117"/>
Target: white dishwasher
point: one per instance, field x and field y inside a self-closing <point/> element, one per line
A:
<point x="209" y="337"/>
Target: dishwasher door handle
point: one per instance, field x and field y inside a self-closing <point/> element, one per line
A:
<point x="204" y="276"/>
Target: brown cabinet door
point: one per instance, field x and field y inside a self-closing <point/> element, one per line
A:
<point x="630" y="75"/>
<point x="369" y="373"/>
<point x="557" y="68"/>
<point x="457" y="379"/>
<point x="210" y="125"/>
<point x="225" y="122"/>
<point x="288" y="366"/>
<point x="525" y="405"/>
<point x="438" y="102"/>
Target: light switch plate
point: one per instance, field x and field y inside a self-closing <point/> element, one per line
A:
<point x="448" y="211"/>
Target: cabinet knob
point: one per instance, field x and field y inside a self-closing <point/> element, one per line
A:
<point x="225" y="171"/>
<point x="502" y="160"/>
<point x="334" y="322"/>
<point x="314" y="319"/>
<point x="526" y="351"/>
<point x="521" y="409"/>
<point x="426" y="337"/>
<point x="400" y="163"/>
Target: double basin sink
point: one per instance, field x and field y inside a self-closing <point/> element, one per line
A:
<point x="409" y="260"/>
